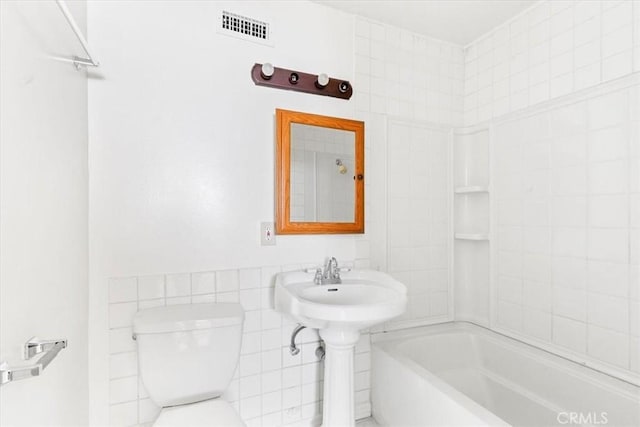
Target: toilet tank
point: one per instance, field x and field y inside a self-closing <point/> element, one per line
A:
<point x="188" y="352"/>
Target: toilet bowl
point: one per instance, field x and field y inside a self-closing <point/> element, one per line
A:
<point x="187" y="355"/>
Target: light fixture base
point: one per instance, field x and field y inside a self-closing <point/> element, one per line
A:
<point x="305" y="82"/>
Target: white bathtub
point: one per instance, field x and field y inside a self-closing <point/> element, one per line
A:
<point x="459" y="374"/>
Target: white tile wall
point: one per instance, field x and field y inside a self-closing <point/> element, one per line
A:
<point x="552" y="49"/>
<point x="412" y="79"/>
<point x="418" y="217"/>
<point x="567" y="262"/>
<point x="270" y="387"/>
<point x="403" y="74"/>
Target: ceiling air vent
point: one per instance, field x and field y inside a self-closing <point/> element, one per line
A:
<point x="244" y="27"/>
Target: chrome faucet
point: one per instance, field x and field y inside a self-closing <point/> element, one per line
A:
<point x="331" y="273"/>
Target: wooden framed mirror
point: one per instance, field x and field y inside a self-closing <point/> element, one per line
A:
<point x="319" y="174"/>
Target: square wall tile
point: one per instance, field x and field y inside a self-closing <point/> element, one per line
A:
<point x="123" y="414"/>
<point x="537" y="296"/>
<point x="567" y="150"/>
<point x="203" y="283"/>
<point x="123" y="365"/>
<point x="249" y="278"/>
<point x="608" y="110"/>
<point x="569" y="211"/>
<point x="123" y="290"/>
<point x="120" y="340"/>
<point x="250" y="299"/>
<point x="609" y="244"/>
<point x="609" y="346"/>
<point x="609" y="177"/>
<point x="571" y="303"/>
<point x="510" y="316"/>
<point x="227" y="281"/>
<point x="123" y="389"/>
<point x="569" y="272"/>
<point x="178" y="285"/>
<point x="150" y="287"/>
<point x="609" y="211"/>
<point x="569" y="242"/>
<point x="121" y="314"/>
<point x="609" y="278"/>
<point x="608" y="144"/>
<point x="608" y="312"/>
<point x="147" y="411"/>
<point x="537" y="324"/>
<point x="250" y="386"/>
<point x="570" y="334"/>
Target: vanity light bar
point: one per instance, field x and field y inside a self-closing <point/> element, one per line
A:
<point x="281" y="78"/>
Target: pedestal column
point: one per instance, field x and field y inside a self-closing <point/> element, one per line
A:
<point x="338" y="401"/>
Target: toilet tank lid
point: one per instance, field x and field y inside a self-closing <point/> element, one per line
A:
<point x="187" y="317"/>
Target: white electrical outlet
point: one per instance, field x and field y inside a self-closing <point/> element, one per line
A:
<point x="267" y="234"/>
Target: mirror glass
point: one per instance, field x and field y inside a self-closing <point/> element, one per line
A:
<point x="322" y="174"/>
<point x="319" y="174"/>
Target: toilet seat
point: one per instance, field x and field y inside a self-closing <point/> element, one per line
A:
<point x="212" y="413"/>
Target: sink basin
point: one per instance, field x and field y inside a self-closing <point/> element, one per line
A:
<point x="363" y="299"/>
<point x="340" y="312"/>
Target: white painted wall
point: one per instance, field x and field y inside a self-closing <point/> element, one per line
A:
<point x="182" y="144"/>
<point x="43" y="210"/>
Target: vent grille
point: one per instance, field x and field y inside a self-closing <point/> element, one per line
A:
<point x="245" y="27"/>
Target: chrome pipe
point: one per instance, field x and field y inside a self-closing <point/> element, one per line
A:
<point x="292" y="346"/>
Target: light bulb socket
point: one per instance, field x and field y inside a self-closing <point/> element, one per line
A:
<point x="294" y="78"/>
<point x="343" y="87"/>
<point x="322" y="81"/>
<point x="266" y="71"/>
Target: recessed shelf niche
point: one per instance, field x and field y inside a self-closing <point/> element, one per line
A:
<point x="471" y="207"/>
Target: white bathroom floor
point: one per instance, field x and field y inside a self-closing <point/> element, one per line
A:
<point x="367" y="422"/>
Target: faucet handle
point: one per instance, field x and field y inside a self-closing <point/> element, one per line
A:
<point x="317" y="279"/>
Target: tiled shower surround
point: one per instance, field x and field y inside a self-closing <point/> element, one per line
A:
<point x="552" y="49"/>
<point x="418" y="223"/>
<point x="409" y="90"/>
<point x="567" y="188"/>
<point x="270" y="387"/>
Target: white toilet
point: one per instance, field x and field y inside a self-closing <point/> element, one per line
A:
<point x="187" y="355"/>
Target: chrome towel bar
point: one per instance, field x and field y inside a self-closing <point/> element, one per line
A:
<point x="49" y="350"/>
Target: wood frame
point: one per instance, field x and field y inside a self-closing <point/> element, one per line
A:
<point x="284" y="118"/>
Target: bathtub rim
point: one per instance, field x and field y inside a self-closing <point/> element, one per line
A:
<point x="450" y="391"/>
<point x="582" y="371"/>
<point x="477" y="410"/>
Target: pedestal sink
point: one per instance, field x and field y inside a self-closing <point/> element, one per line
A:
<point x="340" y="311"/>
